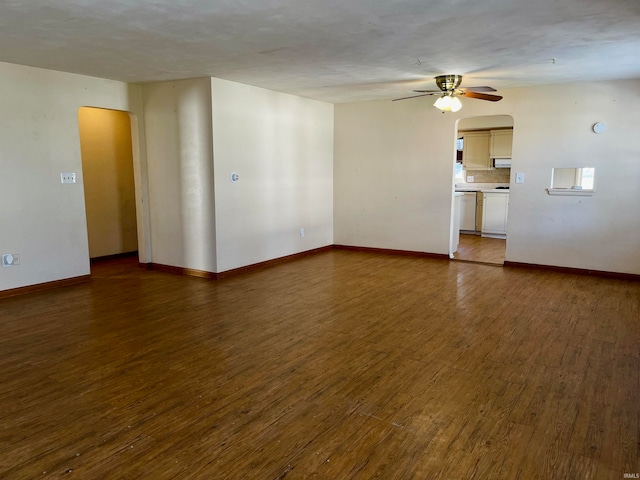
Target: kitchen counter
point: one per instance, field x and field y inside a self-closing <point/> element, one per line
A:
<point x="496" y="190"/>
<point x="478" y="187"/>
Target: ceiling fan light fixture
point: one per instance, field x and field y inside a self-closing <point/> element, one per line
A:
<point x="448" y="103"/>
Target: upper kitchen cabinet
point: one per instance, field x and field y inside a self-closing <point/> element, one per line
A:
<point x="476" y="151"/>
<point x="500" y="144"/>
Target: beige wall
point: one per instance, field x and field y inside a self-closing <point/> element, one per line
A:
<point x="482" y="122"/>
<point x="281" y="146"/>
<point x="109" y="191"/>
<point x="393" y="181"/>
<point x="393" y="175"/>
<point x="43" y="220"/>
<point x="601" y="232"/>
<point x="198" y="133"/>
<point x="180" y="166"/>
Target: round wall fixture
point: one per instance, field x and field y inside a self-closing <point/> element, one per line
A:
<point x="234" y="177"/>
<point x="599" y="127"/>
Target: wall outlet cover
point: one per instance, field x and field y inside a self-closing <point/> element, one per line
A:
<point x="68" y="177"/>
<point x="7" y="260"/>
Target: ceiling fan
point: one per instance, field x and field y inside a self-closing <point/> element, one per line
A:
<point x="449" y="91"/>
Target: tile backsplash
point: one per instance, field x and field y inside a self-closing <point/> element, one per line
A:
<point x="498" y="175"/>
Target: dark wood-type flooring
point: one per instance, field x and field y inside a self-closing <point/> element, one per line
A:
<point x="481" y="249"/>
<point x="341" y="365"/>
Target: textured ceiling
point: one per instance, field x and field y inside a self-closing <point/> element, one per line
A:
<point x="331" y="50"/>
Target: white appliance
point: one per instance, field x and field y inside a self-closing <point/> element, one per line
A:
<point x="455" y="238"/>
<point x="468" y="212"/>
<point x="501" y="163"/>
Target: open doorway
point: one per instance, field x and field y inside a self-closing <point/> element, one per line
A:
<point x="109" y="187"/>
<point x="482" y="171"/>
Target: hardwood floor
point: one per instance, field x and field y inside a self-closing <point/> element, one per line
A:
<point x="475" y="248"/>
<point x="341" y="365"/>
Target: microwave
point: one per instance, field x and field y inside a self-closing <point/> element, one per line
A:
<point x="501" y="163"/>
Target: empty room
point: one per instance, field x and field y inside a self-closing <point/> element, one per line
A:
<point x="334" y="241"/>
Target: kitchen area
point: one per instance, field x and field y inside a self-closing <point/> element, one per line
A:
<point x="481" y="197"/>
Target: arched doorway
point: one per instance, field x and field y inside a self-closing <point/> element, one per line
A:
<point x="482" y="179"/>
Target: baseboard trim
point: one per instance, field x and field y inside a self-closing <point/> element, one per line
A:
<point x="272" y="262"/>
<point x="476" y="262"/>
<point x="191" y="272"/>
<point x="276" y="261"/>
<point x="389" y="251"/>
<point x="236" y="271"/>
<point x="44" y="286"/>
<point x="115" y="256"/>
<point x="575" y="271"/>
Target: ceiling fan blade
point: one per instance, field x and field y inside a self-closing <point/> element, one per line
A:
<point x="428" y="91"/>
<point x="415" y="96"/>
<point x="482" y="96"/>
<point x="478" y="89"/>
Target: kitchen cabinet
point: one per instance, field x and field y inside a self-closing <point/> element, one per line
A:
<point x="500" y="143"/>
<point x="475" y="153"/>
<point x="468" y="212"/>
<point x="494" y="214"/>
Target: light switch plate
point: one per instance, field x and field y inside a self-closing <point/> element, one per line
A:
<point x="68" y="177"/>
<point x="520" y="177"/>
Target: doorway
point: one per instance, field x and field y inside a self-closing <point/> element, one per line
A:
<point x="109" y="186"/>
<point x="482" y="179"/>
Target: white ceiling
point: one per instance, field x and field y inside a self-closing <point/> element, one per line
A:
<point x="331" y="50"/>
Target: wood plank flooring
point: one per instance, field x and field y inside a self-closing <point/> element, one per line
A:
<point x="342" y="365"/>
<point x="475" y="248"/>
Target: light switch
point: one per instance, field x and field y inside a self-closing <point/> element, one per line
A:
<point x="68" y="177"/>
<point x="520" y="177"/>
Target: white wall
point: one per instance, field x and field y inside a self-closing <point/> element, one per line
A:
<point x="496" y="121"/>
<point x="281" y="146"/>
<point x="41" y="219"/>
<point x="180" y="173"/>
<point x="553" y="129"/>
<point x="393" y="174"/>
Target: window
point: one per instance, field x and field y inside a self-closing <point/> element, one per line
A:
<point x="572" y="181"/>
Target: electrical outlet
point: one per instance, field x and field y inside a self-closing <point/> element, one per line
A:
<point x="301" y="232"/>
<point x="520" y="177"/>
<point x="69" y="177"/>
<point x="8" y="260"/>
<point x="469" y="178"/>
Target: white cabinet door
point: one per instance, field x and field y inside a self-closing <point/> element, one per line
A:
<point x="494" y="213"/>
<point x="468" y="212"/>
